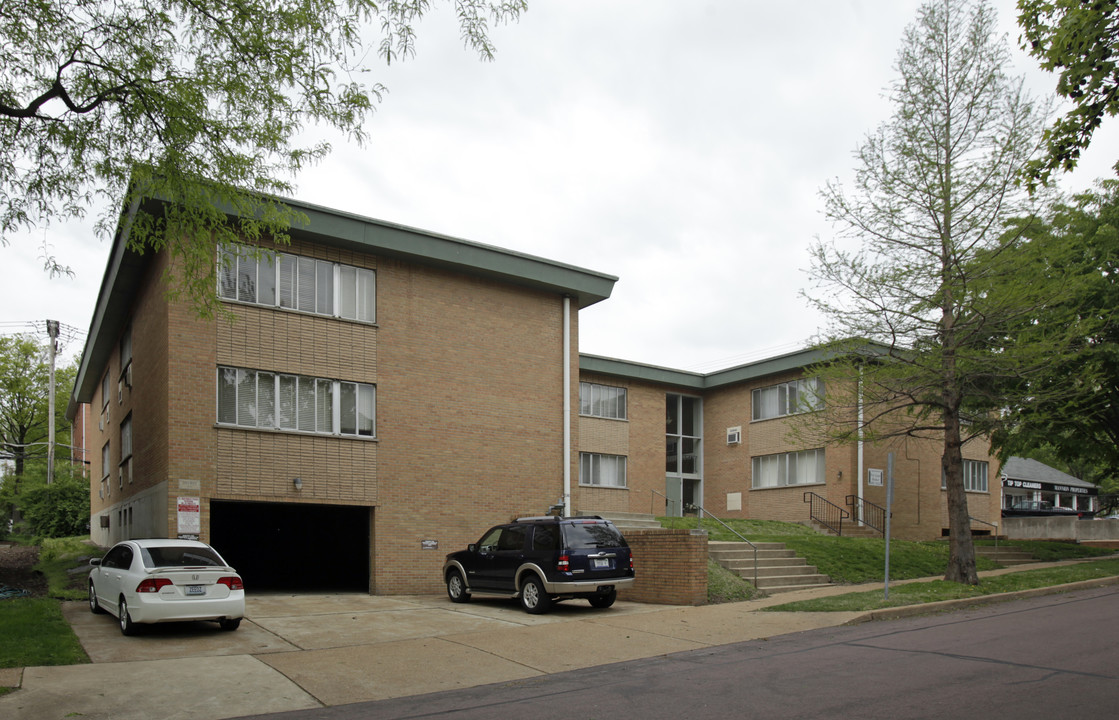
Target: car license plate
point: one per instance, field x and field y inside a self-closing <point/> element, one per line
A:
<point x="601" y="563"/>
<point x="195" y="589"/>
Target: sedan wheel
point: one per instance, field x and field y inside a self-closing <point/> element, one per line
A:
<point x="456" y="587"/>
<point x="533" y="598"/>
<point x="127" y="627"/>
<point x="94" y="606"/>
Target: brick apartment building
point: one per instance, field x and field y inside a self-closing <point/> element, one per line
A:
<point x="379" y="395"/>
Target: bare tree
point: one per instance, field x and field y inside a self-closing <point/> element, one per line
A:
<point x="923" y="221"/>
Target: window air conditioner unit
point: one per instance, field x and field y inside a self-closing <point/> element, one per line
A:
<point x="734" y="435"/>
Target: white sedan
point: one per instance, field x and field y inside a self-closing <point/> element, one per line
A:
<point x="154" y="581"/>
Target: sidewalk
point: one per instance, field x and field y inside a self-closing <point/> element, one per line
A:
<point x="298" y="652"/>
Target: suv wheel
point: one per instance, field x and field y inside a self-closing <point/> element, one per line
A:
<point x="533" y="598"/>
<point x="603" y="600"/>
<point x="456" y="587"/>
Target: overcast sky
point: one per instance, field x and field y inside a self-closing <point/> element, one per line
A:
<point x="680" y="146"/>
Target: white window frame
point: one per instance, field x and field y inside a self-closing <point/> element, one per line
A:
<point x="603" y="401"/>
<point x="788" y="398"/>
<point x="299" y="283"/>
<point x="783" y="466"/>
<point x="976" y="477"/>
<point x="602" y="470"/>
<point x="293" y="403"/>
<point x="125" y="349"/>
<point x="125" y="468"/>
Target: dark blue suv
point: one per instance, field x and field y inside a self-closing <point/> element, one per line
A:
<point x="542" y="560"/>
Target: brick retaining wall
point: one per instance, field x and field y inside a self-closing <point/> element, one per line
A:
<point x="671" y="567"/>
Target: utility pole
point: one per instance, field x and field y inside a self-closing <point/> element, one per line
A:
<point x="52" y="330"/>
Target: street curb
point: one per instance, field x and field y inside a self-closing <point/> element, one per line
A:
<point x="931" y="608"/>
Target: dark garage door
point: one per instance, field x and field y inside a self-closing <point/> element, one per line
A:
<point x="291" y="547"/>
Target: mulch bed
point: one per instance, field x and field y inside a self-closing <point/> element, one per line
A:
<point x="16" y="563"/>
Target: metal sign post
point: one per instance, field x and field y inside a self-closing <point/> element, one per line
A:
<point x="889" y="512"/>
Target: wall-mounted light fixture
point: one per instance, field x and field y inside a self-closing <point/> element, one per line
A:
<point x="840" y="475"/>
<point x="298" y="483"/>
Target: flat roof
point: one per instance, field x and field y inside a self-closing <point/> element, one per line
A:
<point x="349" y="231"/>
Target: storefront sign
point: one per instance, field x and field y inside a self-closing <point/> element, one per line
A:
<point x="1049" y="487"/>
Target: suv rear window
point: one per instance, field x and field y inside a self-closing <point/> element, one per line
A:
<point x="590" y="535"/>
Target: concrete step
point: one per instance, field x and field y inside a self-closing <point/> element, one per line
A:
<point x="767" y="583"/>
<point x="723" y="545"/>
<point x="625" y="520"/>
<point x="783" y="571"/>
<point x="762" y="561"/>
<point x="749" y="554"/>
<point x="772" y="590"/>
<point x="850" y="529"/>
<point x="777" y="569"/>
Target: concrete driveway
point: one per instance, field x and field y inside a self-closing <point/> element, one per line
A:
<point x="297" y="652"/>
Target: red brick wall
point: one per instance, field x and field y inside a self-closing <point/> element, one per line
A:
<point x="670" y="567"/>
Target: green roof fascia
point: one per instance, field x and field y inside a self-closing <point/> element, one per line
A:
<point x="123" y="273"/>
<point x="122" y="277"/>
<point x="377" y="237"/>
<point x="640" y="371"/>
<point x="699" y="381"/>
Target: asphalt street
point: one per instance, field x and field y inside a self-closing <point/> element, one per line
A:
<point x="1049" y="657"/>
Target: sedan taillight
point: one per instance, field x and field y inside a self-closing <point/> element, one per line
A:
<point x="152" y="585"/>
<point x="232" y="582"/>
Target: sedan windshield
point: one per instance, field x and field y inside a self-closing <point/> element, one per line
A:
<point x="180" y="556"/>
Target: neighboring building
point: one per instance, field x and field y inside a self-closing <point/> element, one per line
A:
<point x="1025" y="480"/>
<point x="379" y="395"/>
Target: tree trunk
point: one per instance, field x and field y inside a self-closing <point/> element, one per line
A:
<point x="961" y="549"/>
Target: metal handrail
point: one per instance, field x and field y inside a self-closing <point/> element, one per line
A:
<point x="699" y="522"/>
<point x="870" y="514"/>
<point x="826" y="512"/>
<point x="994" y="525"/>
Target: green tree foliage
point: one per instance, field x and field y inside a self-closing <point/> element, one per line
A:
<point x="202" y="104"/>
<point x="24" y="379"/>
<point x="60" y="509"/>
<point x="24" y="414"/>
<point x="931" y="190"/>
<point x="1071" y="409"/>
<point x="1080" y="42"/>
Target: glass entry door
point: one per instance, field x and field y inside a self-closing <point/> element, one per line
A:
<point x="683" y="459"/>
<point x="674" y="491"/>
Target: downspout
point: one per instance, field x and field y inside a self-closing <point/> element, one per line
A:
<point x="566" y="405"/>
<point x="860" y="447"/>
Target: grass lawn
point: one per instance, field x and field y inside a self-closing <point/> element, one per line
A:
<point x="936" y="590"/>
<point x="33" y="632"/>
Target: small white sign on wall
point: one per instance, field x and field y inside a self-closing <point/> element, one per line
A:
<point x="734" y="501"/>
<point x="190" y="515"/>
<point x="874" y="477"/>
